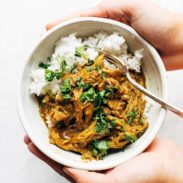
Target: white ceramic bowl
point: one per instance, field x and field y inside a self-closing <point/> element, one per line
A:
<point x="28" y="108"/>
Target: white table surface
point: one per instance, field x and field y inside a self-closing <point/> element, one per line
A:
<point x="21" y="24"/>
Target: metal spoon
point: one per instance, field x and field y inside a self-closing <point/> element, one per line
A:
<point x="120" y="64"/>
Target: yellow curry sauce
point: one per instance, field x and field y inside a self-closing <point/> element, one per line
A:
<point x="96" y="111"/>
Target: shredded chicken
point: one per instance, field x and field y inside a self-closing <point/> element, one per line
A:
<point x="97" y="106"/>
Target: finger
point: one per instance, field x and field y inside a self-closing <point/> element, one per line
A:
<point x="164" y="146"/>
<point x="82" y="176"/>
<point x="145" y="167"/>
<point x="119" y="10"/>
<point x="56" y="166"/>
<point x="27" y="140"/>
<point x="158" y="144"/>
<point x="91" y="12"/>
<point x="173" y="61"/>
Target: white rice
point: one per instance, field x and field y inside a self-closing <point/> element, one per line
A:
<point x="66" y="47"/>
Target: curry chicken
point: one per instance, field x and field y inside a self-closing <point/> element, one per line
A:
<point x="96" y="111"/>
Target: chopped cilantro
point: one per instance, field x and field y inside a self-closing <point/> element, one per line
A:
<point x="44" y="65"/>
<point x="81" y="84"/>
<point x="89" y="69"/>
<point x="101" y="146"/>
<point x="98" y="68"/>
<point x="88" y="95"/>
<point x="100" y="98"/>
<point x="103" y="125"/>
<point x="131" y="116"/>
<point x="58" y="74"/>
<point x="63" y="65"/>
<point x="49" y="75"/>
<point x="130" y="137"/>
<point x="62" y="62"/>
<point x="90" y="62"/>
<point x="110" y="92"/>
<point x="80" y="51"/>
<point x="103" y="75"/>
<point x="95" y="151"/>
<point x="65" y="88"/>
<point x="92" y="95"/>
<point x="141" y="121"/>
<point x="66" y="96"/>
<point x="113" y="123"/>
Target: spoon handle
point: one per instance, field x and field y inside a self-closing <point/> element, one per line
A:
<point x="162" y="102"/>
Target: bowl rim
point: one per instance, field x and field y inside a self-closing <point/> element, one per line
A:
<point x="141" y="147"/>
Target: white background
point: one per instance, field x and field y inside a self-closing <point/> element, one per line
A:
<point x="21" y="24"/>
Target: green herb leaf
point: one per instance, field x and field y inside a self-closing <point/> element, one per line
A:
<point x="67" y="96"/>
<point x="49" y="75"/>
<point x="81" y="84"/>
<point x="90" y="62"/>
<point x="62" y="62"/>
<point x="141" y="121"/>
<point x="88" y="95"/>
<point x="98" y="68"/>
<point x="102" y="128"/>
<point x="103" y="75"/>
<point x="44" y="65"/>
<point x="103" y="125"/>
<point x="89" y="69"/>
<point x="102" y="146"/>
<point x="131" y="116"/>
<point x="95" y="152"/>
<point x="80" y="51"/>
<point x="113" y="123"/>
<point x="100" y="99"/>
<point x="130" y="137"/>
<point x="110" y="92"/>
<point x="65" y="88"/>
<point x="63" y="65"/>
<point x="58" y="74"/>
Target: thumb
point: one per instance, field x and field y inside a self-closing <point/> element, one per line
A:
<point x="83" y="176"/>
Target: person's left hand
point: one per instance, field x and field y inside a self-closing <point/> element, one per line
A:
<point x="56" y="166"/>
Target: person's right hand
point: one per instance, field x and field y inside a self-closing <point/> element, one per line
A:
<point x="161" y="162"/>
<point x="162" y="28"/>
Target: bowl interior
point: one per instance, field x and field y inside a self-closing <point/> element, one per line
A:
<point x="28" y="107"/>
